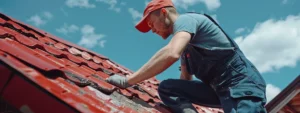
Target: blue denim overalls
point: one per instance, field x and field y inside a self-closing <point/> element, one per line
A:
<point x="228" y="80"/>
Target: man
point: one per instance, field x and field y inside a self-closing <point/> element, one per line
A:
<point x="228" y="79"/>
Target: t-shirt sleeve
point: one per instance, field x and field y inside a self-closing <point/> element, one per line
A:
<point x="185" y="23"/>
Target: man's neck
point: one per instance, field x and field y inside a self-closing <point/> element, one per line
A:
<point x="172" y="18"/>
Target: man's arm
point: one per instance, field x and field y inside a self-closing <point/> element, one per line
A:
<point x="163" y="59"/>
<point x="184" y="73"/>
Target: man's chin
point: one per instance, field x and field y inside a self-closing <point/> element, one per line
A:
<point x="165" y="36"/>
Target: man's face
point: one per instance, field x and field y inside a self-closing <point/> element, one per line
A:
<point x="159" y="24"/>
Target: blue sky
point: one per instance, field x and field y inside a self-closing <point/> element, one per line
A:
<point x="267" y="31"/>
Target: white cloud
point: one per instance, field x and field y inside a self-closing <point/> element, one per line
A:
<point x="123" y="3"/>
<point x="284" y="1"/>
<point x="40" y="19"/>
<point x="112" y="4"/>
<point x="102" y="42"/>
<point x="210" y="4"/>
<point x="87" y="29"/>
<point x="65" y="29"/>
<point x="135" y="15"/>
<point x="193" y="10"/>
<point x="273" y="44"/>
<point x="47" y="15"/>
<point x="271" y="92"/>
<point x="89" y="38"/>
<point x="239" y="30"/>
<point x="37" y="20"/>
<point x="79" y="3"/>
<point x="64" y="12"/>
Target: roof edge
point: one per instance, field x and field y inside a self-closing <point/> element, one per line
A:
<point x="29" y="27"/>
<point x="284" y="95"/>
<point x="41" y="32"/>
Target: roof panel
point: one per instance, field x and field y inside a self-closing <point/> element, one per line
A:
<point x="72" y="74"/>
<point x="16" y="26"/>
<point x="287" y="101"/>
<point x="60" y="46"/>
<point x="86" y="55"/>
<point x="2" y="21"/>
<point x="24" y="40"/>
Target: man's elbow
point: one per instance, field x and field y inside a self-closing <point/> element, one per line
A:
<point x="174" y="56"/>
<point x="171" y="54"/>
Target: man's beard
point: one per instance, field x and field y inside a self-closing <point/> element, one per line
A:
<point x="165" y="35"/>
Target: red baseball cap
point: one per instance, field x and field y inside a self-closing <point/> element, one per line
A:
<point x="142" y="25"/>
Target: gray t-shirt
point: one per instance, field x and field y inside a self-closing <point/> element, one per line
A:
<point x="205" y="34"/>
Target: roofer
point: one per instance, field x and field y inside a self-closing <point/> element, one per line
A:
<point x="227" y="78"/>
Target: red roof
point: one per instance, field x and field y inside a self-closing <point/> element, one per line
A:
<point x="288" y="100"/>
<point x="43" y="73"/>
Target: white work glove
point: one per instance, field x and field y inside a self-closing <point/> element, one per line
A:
<point x="119" y="81"/>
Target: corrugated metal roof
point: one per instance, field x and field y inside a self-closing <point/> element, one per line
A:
<point x="43" y="73"/>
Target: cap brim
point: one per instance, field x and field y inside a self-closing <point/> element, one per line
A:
<point x="142" y="26"/>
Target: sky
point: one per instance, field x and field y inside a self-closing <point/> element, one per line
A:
<point x="267" y="31"/>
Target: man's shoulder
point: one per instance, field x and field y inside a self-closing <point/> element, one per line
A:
<point x="192" y="15"/>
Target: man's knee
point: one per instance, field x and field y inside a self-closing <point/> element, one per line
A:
<point x="165" y="85"/>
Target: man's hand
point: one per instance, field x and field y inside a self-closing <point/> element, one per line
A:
<point x="119" y="81"/>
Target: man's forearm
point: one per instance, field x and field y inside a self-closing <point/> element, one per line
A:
<point x="158" y="63"/>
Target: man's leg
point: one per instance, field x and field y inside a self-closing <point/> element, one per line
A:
<point x="243" y="100"/>
<point x="180" y="94"/>
<point x="245" y="91"/>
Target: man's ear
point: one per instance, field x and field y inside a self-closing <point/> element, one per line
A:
<point x="164" y="11"/>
